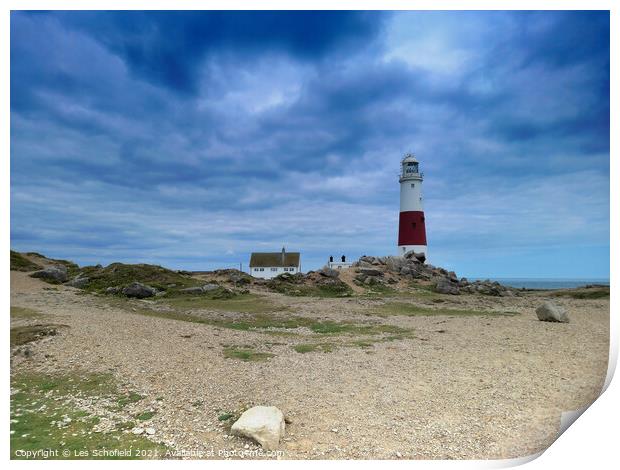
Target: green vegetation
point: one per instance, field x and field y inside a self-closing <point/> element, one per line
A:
<point x="128" y="398"/>
<point x="72" y="268"/>
<point x="297" y="285"/>
<point x="26" y="334"/>
<point x="331" y="346"/>
<point x="246" y="354"/>
<point x="43" y="416"/>
<point x="20" y="263"/>
<point x="225" y="416"/>
<point x="403" y="308"/>
<point x="119" y="274"/>
<point x="145" y="416"/>
<point x="314" y="347"/>
<point x="243" y="303"/>
<point x="598" y="292"/>
<point x="330" y="327"/>
<point x="22" y="313"/>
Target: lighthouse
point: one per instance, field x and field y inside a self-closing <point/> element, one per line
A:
<point x="411" y="226"/>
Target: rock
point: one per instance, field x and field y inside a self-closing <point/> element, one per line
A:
<point x="150" y="431"/>
<point x="138" y="290"/>
<point x="79" y="282"/>
<point x="370" y="272"/>
<point x="238" y="279"/>
<point x="395" y="264"/>
<point x="264" y="424"/>
<point x="444" y="286"/>
<point x="551" y="312"/>
<point x="137" y="431"/>
<point x="113" y="290"/>
<point x="210" y="287"/>
<point x="56" y="273"/>
<point x="328" y="272"/>
<point x="412" y="255"/>
<point x="192" y="290"/>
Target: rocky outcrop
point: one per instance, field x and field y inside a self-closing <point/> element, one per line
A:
<point x="312" y="283"/>
<point x="79" y="281"/>
<point x="329" y="272"/>
<point x="56" y="273"/>
<point x="371" y="271"/>
<point x="447" y="286"/>
<point x="139" y="291"/>
<point x="264" y="424"/>
<point x="552" y="313"/>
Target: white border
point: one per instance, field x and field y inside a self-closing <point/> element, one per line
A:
<point x="592" y="442"/>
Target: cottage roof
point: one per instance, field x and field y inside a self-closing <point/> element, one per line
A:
<point x="270" y="260"/>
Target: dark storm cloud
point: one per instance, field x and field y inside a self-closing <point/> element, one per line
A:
<point x="147" y="135"/>
<point x="167" y="47"/>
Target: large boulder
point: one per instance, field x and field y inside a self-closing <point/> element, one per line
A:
<point x="139" y="291"/>
<point x="56" y="273"/>
<point x="412" y="255"/>
<point x="264" y="424"/>
<point x="552" y="312"/>
<point x="395" y="263"/>
<point x="370" y="272"/>
<point x="328" y="272"/>
<point x="445" y="286"/>
<point x="79" y="281"/>
<point x="192" y="290"/>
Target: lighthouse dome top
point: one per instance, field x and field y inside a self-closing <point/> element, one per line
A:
<point x="410" y="158"/>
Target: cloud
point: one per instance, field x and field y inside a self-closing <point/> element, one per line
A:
<point x="191" y="139"/>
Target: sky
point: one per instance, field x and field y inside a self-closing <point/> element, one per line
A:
<point x="190" y="139"/>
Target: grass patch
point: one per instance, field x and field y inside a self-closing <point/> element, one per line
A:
<point x="131" y="397"/>
<point x="20" y="263"/>
<point x="22" y="313"/>
<point x="407" y="309"/>
<point x="298" y="285"/>
<point x="42" y="417"/>
<point x="145" y="416"/>
<point x="588" y="293"/>
<point x="243" y="303"/>
<point x="225" y="416"/>
<point x="270" y="324"/>
<point x="327" y="347"/>
<point x="120" y="274"/>
<point x="246" y="354"/>
<point x="314" y="347"/>
<point x="26" y="334"/>
<point x="330" y="328"/>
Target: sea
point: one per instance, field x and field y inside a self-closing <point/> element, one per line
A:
<point x="533" y="283"/>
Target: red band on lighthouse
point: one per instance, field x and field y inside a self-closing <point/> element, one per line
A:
<point x="411" y="228"/>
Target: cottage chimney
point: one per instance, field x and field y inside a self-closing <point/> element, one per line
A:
<point x="283" y="256"/>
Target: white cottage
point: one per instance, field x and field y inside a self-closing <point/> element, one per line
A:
<point x="269" y="265"/>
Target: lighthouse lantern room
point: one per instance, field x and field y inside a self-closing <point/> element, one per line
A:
<point x="411" y="226"/>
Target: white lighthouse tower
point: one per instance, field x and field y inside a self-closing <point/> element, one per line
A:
<point x="411" y="226"/>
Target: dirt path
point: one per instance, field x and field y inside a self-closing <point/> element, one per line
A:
<point x="467" y="387"/>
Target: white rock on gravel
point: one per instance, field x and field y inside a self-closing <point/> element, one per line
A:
<point x="264" y="424"/>
<point x="150" y="431"/>
<point x="137" y="431"/>
<point x="551" y="312"/>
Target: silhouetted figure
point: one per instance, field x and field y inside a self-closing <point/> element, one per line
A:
<point x="343" y="258"/>
<point x="331" y="259"/>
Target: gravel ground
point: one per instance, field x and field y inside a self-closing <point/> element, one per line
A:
<point x="464" y="388"/>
